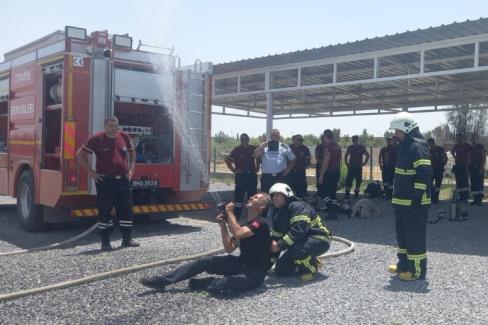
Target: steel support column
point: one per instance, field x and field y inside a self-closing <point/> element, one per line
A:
<point x="269" y="115"/>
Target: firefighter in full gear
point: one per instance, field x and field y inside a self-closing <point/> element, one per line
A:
<point x="461" y="153"/>
<point x="387" y="160"/>
<point x="411" y="198"/>
<point x="298" y="231"/>
<point x="438" y="160"/>
<point x="477" y="169"/>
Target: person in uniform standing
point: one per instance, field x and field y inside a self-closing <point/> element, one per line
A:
<point x="115" y="164"/>
<point x="355" y="161"/>
<point x="242" y="163"/>
<point x="438" y="159"/>
<point x="277" y="160"/>
<point x="298" y="231"/>
<point x="297" y="177"/>
<point x="477" y="169"/>
<point x="330" y="168"/>
<point x="462" y="154"/>
<point x="411" y="198"/>
<point x="240" y="273"/>
<point x="387" y="161"/>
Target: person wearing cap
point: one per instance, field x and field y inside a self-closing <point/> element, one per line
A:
<point x="297" y="177"/>
<point x="242" y="163"/>
<point x="438" y="159"/>
<point x="298" y="231"/>
<point x="329" y="169"/>
<point x="461" y="152"/>
<point x="277" y="160"/>
<point x="356" y="157"/>
<point x="387" y="161"/>
<point x="115" y="164"/>
<point x="477" y="169"/>
<point x="411" y="198"/>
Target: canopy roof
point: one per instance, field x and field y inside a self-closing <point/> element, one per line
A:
<point x="422" y="70"/>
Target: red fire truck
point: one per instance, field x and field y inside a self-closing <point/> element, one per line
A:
<point x="56" y="91"/>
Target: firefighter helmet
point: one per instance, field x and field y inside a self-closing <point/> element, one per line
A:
<point x="281" y="188"/>
<point x="403" y="121"/>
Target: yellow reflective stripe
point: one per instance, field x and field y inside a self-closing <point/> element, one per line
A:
<point x="402" y="251"/>
<point x="420" y="186"/>
<point x="288" y="240"/>
<point x="324" y="238"/>
<point x="316" y="222"/>
<point x="417" y="256"/>
<point x="306" y="263"/>
<point x="426" y="201"/>
<point x="275" y="233"/>
<point x="401" y="202"/>
<point x="299" y="218"/>
<point x="424" y="162"/>
<point x="405" y="171"/>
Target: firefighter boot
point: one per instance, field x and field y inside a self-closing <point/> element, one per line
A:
<point x="127" y="240"/>
<point x="106" y="247"/>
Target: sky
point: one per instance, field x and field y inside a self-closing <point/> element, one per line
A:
<point x="224" y="30"/>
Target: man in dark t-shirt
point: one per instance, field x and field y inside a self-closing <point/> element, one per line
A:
<point x="115" y="163"/>
<point x="355" y="161"/>
<point x="297" y="178"/>
<point x="329" y="170"/>
<point x="461" y="152"/>
<point x="243" y="272"/>
<point x="241" y="162"/>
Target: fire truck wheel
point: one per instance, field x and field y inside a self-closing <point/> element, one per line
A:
<point x="28" y="212"/>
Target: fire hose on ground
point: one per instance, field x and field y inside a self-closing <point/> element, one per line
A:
<point x="130" y="269"/>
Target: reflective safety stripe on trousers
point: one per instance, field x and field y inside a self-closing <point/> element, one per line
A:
<point x="408" y="172"/>
<point x="417" y="258"/>
<point x="306" y="262"/>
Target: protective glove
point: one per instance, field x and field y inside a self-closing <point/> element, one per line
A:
<point x="417" y="197"/>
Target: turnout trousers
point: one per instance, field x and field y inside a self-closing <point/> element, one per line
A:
<point x="114" y="193"/>
<point x="301" y="257"/>
<point x="245" y="186"/>
<point x="411" y="235"/>
<point x="437" y="176"/>
<point x="297" y="180"/>
<point x="476" y="176"/>
<point x="354" y="173"/>
<point x="238" y="277"/>
<point x="462" y="182"/>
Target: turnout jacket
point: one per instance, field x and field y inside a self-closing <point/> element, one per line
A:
<point x="413" y="172"/>
<point x="296" y="221"/>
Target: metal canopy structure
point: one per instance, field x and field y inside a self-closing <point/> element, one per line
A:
<point x="419" y="71"/>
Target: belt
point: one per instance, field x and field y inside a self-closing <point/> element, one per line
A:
<point x="115" y="177"/>
<point x="273" y="174"/>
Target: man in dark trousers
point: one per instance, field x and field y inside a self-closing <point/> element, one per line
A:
<point x="115" y="163"/>
<point x="411" y="198"/>
<point x="438" y="158"/>
<point x="462" y="154"/>
<point x="387" y="161"/>
<point x="330" y="168"/>
<point x="277" y="160"/>
<point x="298" y="231"/>
<point x="297" y="178"/>
<point x="243" y="272"/>
<point x="477" y="169"/>
<point x="241" y="162"/>
<point x="355" y="161"/>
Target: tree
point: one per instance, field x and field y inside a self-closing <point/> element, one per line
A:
<point x="468" y="119"/>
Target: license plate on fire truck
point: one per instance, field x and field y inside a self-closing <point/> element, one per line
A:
<point x="144" y="183"/>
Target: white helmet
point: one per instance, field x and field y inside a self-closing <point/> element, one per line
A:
<point x="281" y="188"/>
<point x="403" y="121"/>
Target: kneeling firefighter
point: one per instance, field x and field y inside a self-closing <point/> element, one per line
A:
<point x="411" y="198"/>
<point x="298" y="230"/>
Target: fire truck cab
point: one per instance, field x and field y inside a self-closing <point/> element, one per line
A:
<point x="57" y="91"/>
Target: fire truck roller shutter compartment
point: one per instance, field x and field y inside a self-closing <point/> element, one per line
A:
<point x="143" y="102"/>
